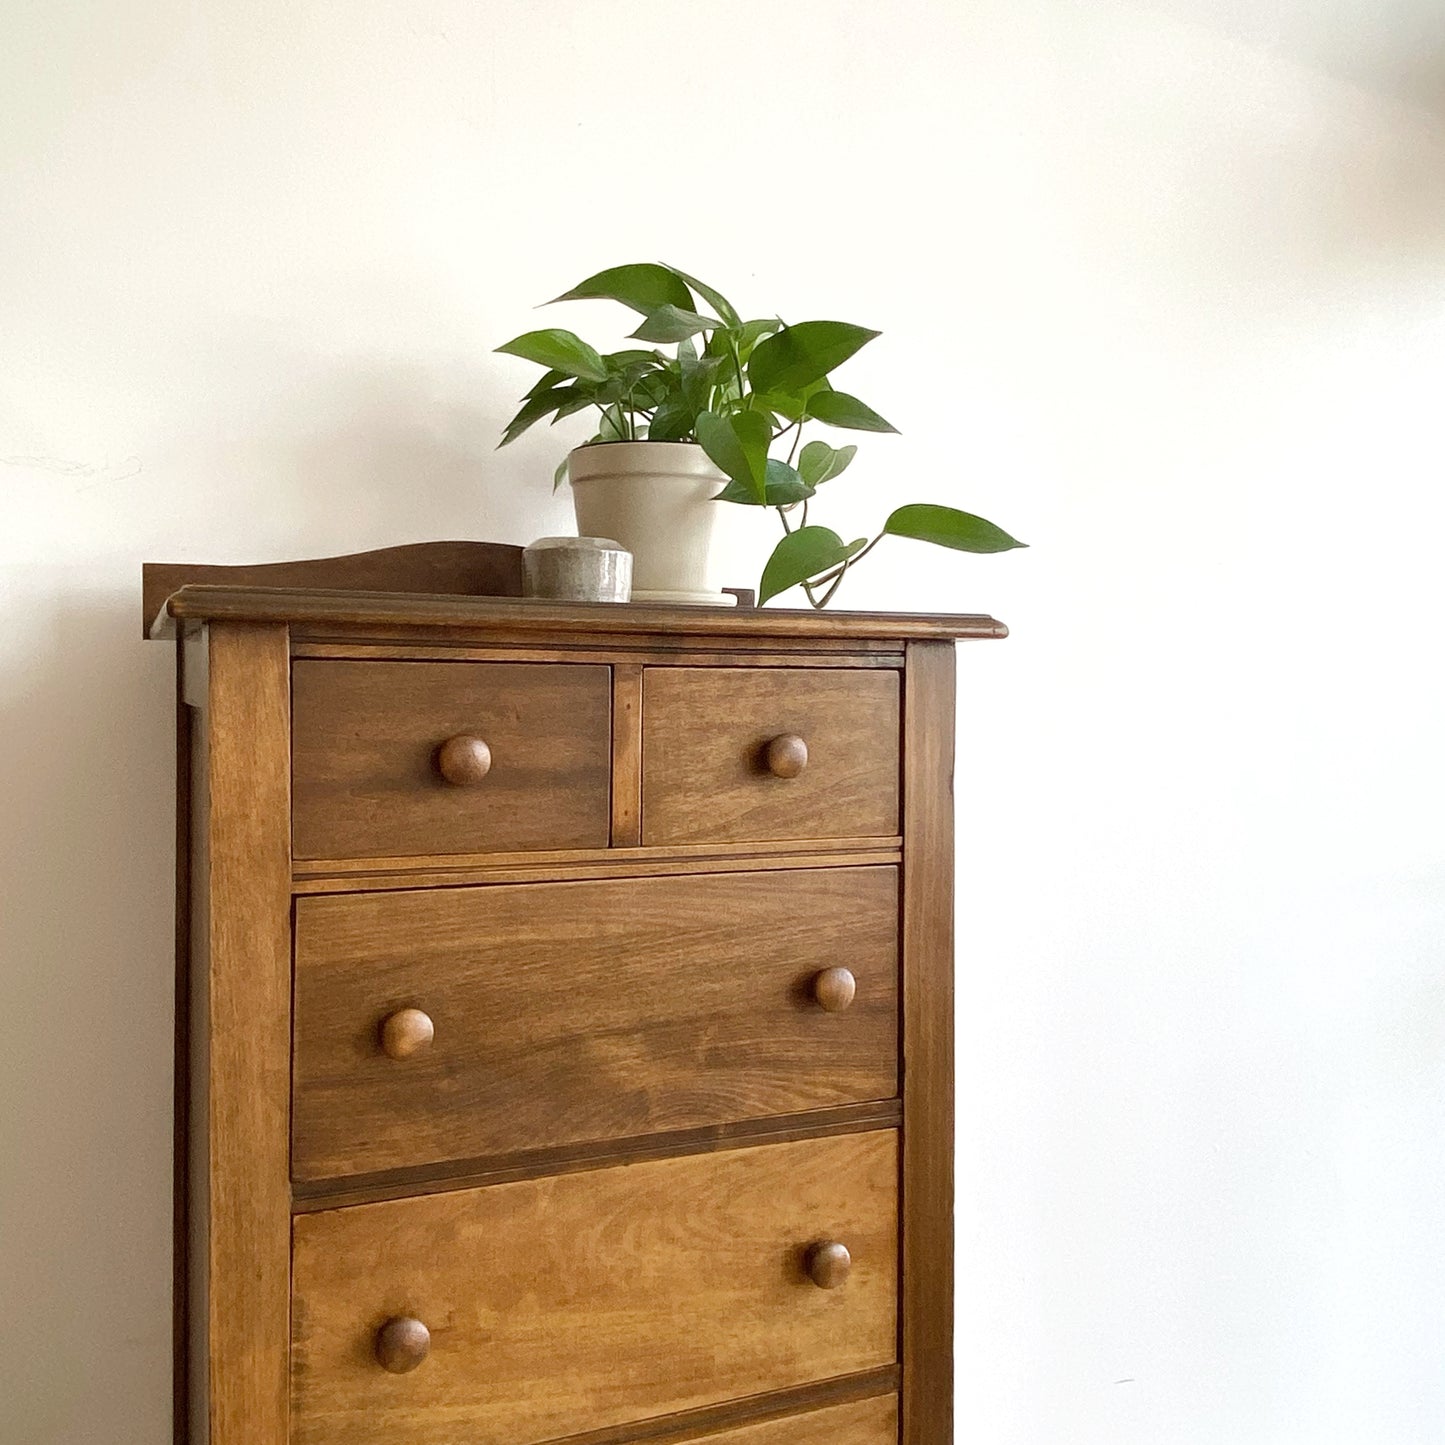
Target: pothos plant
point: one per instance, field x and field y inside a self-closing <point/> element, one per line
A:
<point x="744" y="391"/>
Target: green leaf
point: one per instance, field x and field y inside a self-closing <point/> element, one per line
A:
<point x="837" y="408"/>
<point x="638" y="356"/>
<point x="819" y="463"/>
<point x="644" y="287"/>
<point x="783" y="487"/>
<point x="948" y="527"/>
<point x="548" y="381"/>
<point x="798" y="355"/>
<point x="794" y="406"/>
<point x="614" y="426"/>
<point x="715" y="299"/>
<point x="564" y="351"/>
<point x="560" y="475"/>
<point x="802" y="555"/>
<point x="739" y="445"/>
<point x="672" y="421"/>
<point x="580" y="401"/>
<point x="533" y="410"/>
<point x="673" y="323"/>
<point x="753" y="332"/>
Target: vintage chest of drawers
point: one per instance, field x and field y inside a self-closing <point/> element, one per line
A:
<point x="564" y="1014"/>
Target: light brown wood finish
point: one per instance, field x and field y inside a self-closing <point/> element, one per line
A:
<point x="621" y="651"/>
<point x="312" y="1197"/>
<point x="706" y="735"/>
<point x="340" y="875"/>
<point x="830" y="1264"/>
<point x="485" y="569"/>
<point x="241" y="905"/>
<point x="626" y="755"/>
<point x="554" y="1305"/>
<point x="927" y="1322"/>
<point x="585" y="1011"/>
<point x="365" y="746"/>
<point x="464" y="761"/>
<point x="520" y="619"/>
<point x="778" y="1410"/>
<point x="405" y="1033"/>
<point x="835" y="989"/>
<point x="402" y="1345"/>
<point x="869" y="1422"/>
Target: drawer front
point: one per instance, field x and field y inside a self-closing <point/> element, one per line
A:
<point x="369" y="767"/>
<point x="870" y="1422"/>
<point x="565" y="1012"/>
<point x="721" y="760"/>
<point x="580" y="1302"/>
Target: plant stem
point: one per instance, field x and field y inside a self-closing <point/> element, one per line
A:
<point x="837" y="583"/>
<point x="797" y="437"/>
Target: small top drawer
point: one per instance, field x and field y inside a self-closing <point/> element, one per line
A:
<point x="768" y="754"/>
<point x="392" y="759"/>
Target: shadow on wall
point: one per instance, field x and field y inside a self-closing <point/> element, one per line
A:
<point x="85" y="863"/>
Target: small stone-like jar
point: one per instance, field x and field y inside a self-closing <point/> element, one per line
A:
<point x="577" y="569"/>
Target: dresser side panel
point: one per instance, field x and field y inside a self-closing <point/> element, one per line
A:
<point x="242" y="974"/>
<point x="927" y="1164"/>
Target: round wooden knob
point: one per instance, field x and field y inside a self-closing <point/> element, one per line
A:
<point x="402" y="1344"/>
<point x="829" y="1265"/>
<point x="787" y="756"/>
<point x="833" y="989"/>
<point x="406" y="1032"/>
<point x="464" y="760"/>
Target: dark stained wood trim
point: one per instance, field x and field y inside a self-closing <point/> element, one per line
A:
<point x="618" y="653"/>
<point x="313" y="1196"/>
<point x="345" y="876"/>
<point x="926" y="1319"/>
<point x="248" y="1003"/>
<point x="755" y="1410"/>
<point x="180" y="1139"/>
<point x="514" y="619"/>
<point x="705" y="853"/>
<point x="481" y="569"/>
<point x="626" y="755"/>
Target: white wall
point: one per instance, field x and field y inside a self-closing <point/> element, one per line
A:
<point x="1170" y="309"/>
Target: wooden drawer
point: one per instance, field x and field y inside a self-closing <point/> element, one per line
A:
<point x="706" y="736"/>
<point x="567" y="1012"/>
<point x="584" y="1301"/>
<point x="367" y="767"/>
<point x="869" y="1422"/>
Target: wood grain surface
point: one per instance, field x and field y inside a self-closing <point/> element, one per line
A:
<point x="486" y="569"/>
<point x="563" y="1305"/>
<point x="927" y="1323"/>
<point x="517" y="619"/>
<point x="241" y="1202"/>
<point x="585" y="1011"/>
<point x="706" y="735"/>
<point x="870" y="1422"/>
<point x="366" y="737"/>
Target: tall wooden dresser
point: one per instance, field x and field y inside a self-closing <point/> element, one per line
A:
<point x="564" y="1013"/>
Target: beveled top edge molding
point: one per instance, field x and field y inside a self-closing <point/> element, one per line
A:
<point x="505" y="618"/>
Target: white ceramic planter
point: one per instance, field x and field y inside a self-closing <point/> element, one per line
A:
<point x="655" y="498"/>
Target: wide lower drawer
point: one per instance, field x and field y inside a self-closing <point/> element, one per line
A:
<point x="869" y="1422"/>
<point x="534" y="1311"/>
<point x="416" y="758"/>
<point x="460" y="1023"/>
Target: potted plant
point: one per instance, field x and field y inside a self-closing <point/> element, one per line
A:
<point x="719" y="417"/>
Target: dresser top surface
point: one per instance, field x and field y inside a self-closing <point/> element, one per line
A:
<point x="512" y="615"/>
